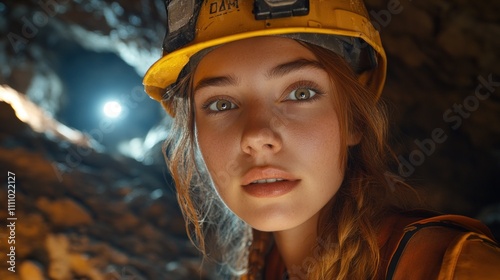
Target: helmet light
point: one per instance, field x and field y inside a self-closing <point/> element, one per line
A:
<point x="268" y="9"/>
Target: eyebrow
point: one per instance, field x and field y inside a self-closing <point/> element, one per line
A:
<point x="216" y="82"/>
<point x="276" y="72"/>
<point x="299" y="64"/>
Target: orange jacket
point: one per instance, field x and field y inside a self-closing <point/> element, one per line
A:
<point x="441" y="247"/>
<point x="418" y="246"/>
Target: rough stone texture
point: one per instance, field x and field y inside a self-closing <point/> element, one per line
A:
<point x="31" y="29"/>
<point x="439" y="53"/>
<point x="83" y="214"/>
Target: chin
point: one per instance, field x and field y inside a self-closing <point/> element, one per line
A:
<point x="273" y="224"/>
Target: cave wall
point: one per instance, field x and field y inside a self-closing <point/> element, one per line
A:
<point x="443" y="82"/>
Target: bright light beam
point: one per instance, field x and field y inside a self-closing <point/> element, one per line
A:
<point x="112" y="109"/>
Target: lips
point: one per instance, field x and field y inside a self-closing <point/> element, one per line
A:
<point x="268" y="182"/>
<point x="273" y="180"/>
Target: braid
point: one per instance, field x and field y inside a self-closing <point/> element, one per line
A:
<point x="257" y="254"/>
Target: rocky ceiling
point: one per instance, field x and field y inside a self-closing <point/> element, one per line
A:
<point x="443" y="91"/>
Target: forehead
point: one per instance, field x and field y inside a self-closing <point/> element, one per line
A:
<point x="253" y="54"/>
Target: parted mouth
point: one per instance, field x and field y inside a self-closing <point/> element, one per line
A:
<point x="263" y="175"/>
<point x="270" y="187"/>
<point x="271" y="180"/>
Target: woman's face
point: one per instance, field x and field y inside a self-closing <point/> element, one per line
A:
<point x="268" y="131"/>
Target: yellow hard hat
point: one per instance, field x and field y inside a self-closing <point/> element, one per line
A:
<point x="342" y="26"/>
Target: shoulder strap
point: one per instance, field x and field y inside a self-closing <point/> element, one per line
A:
<point x="406" y="238"/>
<point x="458" y="223"/>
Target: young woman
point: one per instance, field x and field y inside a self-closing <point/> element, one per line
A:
<point x="278" y="149"/>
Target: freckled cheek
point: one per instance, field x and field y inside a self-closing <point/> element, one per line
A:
<point x="319" y="143"/>
<point x="218" y="151"/>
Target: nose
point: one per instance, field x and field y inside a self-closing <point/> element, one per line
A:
<point x="259" y="137"/>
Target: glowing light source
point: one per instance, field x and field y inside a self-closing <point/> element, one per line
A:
<point x="112" y="109"/>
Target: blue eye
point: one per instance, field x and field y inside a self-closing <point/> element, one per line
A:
<point x="301" y="94"/>
<point x="220" y="105"/>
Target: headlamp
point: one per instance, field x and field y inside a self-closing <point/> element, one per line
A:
<point x="268" y="9"/>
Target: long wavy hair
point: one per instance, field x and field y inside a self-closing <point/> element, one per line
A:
<point x="347" y="246"/>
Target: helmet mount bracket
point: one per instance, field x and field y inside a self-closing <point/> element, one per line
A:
<point x="270" y="9"/>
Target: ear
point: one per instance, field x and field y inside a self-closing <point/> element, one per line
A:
<point x="354" y="138"/>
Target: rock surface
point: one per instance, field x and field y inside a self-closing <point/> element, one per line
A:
<point x="439" y="54"/>
<point x="83" y="214"/>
